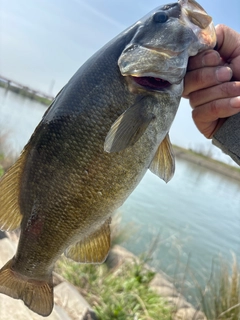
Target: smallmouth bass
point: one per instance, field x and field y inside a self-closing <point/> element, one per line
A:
<point x="106" y="127"/>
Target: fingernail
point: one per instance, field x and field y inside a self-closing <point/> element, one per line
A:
<point x="224" y="74"/>
<point x="235" y="102"/>
<point x="210" y="58"/>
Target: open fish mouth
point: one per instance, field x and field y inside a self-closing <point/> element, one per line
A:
<point x="151" y="83"/>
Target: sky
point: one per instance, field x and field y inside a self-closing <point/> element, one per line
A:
<point x="44" y="42"/>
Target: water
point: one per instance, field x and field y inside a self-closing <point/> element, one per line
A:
<point x="18" y="118"/>
<point x="196" y="216"/>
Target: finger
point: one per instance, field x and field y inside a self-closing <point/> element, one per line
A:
<point x="228" y="42"/>
<point x="229" y="48"/>
<point x="221" y="91"/>
<point x="209" y="117"/>
<point x="204" y="78"/>
<point x="208" y="58"/>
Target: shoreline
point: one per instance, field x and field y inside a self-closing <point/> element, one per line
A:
<point x="184" y="154"/>
<point x="208" y="163"/>
<point x="27" y="93"/>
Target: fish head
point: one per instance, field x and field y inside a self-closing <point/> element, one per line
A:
<point x="156" y="58"/>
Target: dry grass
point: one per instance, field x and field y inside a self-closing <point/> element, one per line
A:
<point x="221" y="298"/>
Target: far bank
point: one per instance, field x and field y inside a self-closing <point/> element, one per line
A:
<point x="209" y="163"/>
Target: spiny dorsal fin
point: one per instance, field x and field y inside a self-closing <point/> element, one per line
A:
<point x="93" y="249"/>
<point x="163" y="163"/>
<point x="37" y="295"/>
<point x="10" y="215"/>
<point x="128" y="128"/>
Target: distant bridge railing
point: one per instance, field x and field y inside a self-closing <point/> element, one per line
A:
<point x="17" y="87"/>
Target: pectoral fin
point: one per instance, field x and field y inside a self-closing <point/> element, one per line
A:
<point x="163" y="163"/>
<point x="93" y="249"/>
<point x="10" y="215"/>
<point x="128" y="128"/>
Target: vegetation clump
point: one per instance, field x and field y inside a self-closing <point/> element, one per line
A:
<point x="117" y="295"/>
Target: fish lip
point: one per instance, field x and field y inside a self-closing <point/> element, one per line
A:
<point x="147" y="83"/>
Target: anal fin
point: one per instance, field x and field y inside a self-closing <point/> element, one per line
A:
<point x="163" y="163"/>
<point x="93" y="249"/>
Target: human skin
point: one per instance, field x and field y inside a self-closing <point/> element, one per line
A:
<point x="212" y="82"/>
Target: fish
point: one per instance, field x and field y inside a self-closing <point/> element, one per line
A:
<point x="108" y="125"/>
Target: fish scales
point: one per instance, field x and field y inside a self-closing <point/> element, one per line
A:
<point x="103" y="131"/>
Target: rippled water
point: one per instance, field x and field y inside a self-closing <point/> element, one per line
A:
<point x="196" y="216"/>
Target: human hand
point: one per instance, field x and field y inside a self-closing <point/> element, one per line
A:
<point x="211" y="94"/>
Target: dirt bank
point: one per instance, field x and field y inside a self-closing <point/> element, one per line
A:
<point x="211" y="164"/>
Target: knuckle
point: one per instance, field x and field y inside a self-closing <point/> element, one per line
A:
<point x="204" y="127"/>
<point x="195" y="62"/>
<point x="194" y="81"/>
<point x="200" y="77"/>
<point x="230" y="89"/>
<point x="235" y="87"/>
<point x="194" y="99"/>
<point x="195" y="116"/>
<point x="226" y="89"/>
<point x="214" y="110"/>
<point x="192" y="103"/>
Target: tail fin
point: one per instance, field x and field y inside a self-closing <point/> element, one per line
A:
<point x="37" y="295"/>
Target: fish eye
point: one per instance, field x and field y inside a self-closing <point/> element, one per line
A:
<point x="160" y="17"/>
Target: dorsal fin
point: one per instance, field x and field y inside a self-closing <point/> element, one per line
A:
<point x="10" y="215"/>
